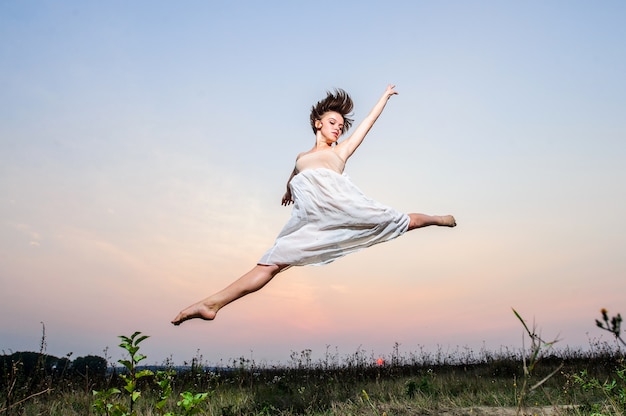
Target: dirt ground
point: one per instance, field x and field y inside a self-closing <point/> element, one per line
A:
<point x="507" y="411"/>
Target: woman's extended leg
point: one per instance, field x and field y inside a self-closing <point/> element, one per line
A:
<point x="423" y="220"/>
<point x="250" y="282"/>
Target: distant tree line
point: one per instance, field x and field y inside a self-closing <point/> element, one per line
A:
<point x="33" y="364"/>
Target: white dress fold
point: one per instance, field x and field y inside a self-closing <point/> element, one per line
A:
<point x="331" y="218"/>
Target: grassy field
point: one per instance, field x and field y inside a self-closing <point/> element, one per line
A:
<point x="460" y="383"/>
<point x="535" y="380"/>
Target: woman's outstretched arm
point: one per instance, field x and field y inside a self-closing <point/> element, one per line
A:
<point x="349" y="145"/>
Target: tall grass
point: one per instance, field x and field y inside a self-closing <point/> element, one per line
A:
<point x="570" y="381"/>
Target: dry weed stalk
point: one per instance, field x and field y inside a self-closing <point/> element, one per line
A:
<point x="538" y="348"/>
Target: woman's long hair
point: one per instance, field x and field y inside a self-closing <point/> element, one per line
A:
<point x="338" y="101"/>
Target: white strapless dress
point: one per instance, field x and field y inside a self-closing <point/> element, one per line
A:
<point x="331" y="217"/>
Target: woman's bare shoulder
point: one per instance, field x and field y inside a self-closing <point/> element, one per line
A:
<point x="343" y="150"/>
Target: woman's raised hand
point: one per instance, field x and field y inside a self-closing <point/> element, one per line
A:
<point x="391" y="90"/>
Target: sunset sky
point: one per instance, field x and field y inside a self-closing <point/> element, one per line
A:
<point x="145" y="147"/>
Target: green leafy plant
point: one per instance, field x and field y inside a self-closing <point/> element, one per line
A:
<point x="103" y="404"/>
<point x="106" y="402"/>
<point x="131" y="345"/>
<point x="190" y="402"/>
<point x="104" y="399"/>
<point x="164" y="380"/>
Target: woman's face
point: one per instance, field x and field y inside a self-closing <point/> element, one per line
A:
<point x="331" y="126"/>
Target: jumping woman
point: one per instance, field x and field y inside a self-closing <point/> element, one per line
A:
<point x="331" y="217"/>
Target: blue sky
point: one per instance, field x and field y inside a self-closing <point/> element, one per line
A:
<point x="144" y="149"/>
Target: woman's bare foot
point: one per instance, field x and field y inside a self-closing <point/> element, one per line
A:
<point x="423" y="220"/>
<point x="447" y="221"/>
<point x="197" y="310"/>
